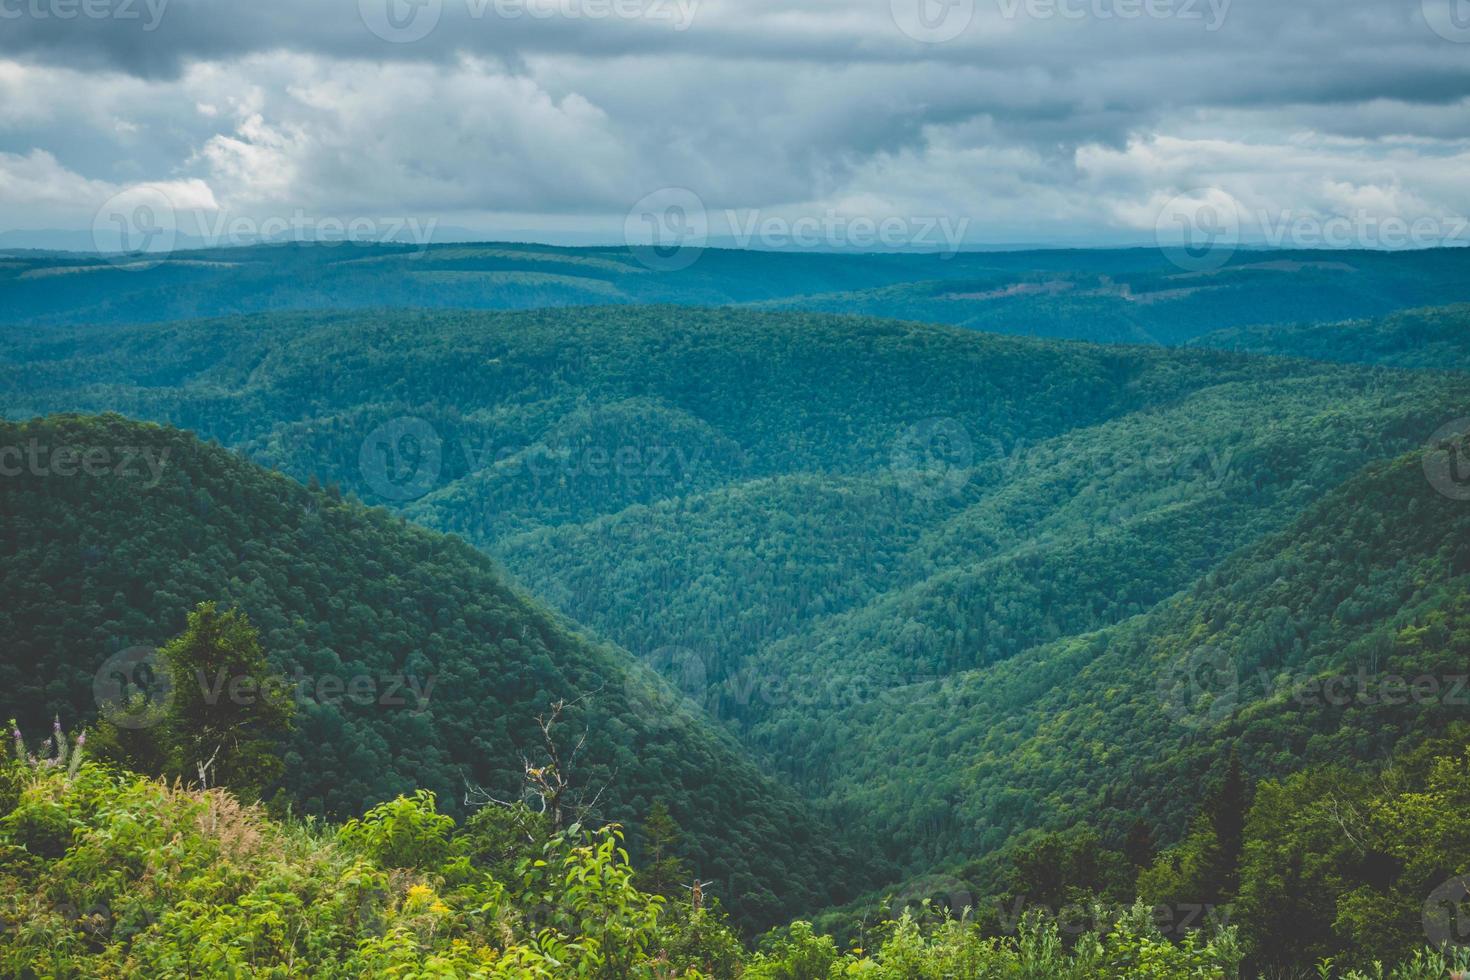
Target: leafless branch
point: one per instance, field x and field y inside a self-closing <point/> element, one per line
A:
<point x="551" y="783"/>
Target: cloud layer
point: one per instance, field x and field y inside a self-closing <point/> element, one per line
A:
<point x="1071" y="121"/>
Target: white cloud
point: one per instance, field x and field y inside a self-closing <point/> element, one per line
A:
<point x="1032" y="128"/>
<point x="37" y="191"/>
<point x="37" y="180"/>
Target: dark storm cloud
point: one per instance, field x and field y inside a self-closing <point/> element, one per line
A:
<point x="1345" y="48"/>
<point x="1054" y="73"/>
<point x="576" y="107"/>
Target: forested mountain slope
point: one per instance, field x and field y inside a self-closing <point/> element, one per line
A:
<point x="740" y="593"/>
<point x="1117" y="295"/>
<point x="1345" y="638"/>
<point x="516" y="401"/>
<point x="804" y="522"/>
<point x="785" y="426"/>
<point x="1436" y="339"/>
<point x="95" y="562"/>
<point x="753" y="499"/>
<point x="1160" y="303"/>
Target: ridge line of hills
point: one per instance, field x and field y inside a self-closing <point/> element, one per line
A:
<point x="994" y="499"/>
<point x="1119" y="295"/>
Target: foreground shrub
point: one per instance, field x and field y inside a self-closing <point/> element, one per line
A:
<point x="107" y="874"/>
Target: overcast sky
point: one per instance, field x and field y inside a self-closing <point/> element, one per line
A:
<point x="1051" y="121"/>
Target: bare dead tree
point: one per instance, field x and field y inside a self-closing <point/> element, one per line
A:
<point x="552" y="783"/>
<point x="1347" y="818"/>
<point x="696" y="893"/>
<point x="549" y="782"/>
<point x="207" y="767"/>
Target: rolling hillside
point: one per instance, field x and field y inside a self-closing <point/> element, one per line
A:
<point x="1431" y="339"/>
<point x="98" y="562"/>
<point x="934" y="502"/>
<point x="1303" y="650"/>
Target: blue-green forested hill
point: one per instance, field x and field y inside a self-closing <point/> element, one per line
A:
<point x="1113" y="295"/>
<point x="862" y="606"/>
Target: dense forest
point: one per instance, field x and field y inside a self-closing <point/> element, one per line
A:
<point x="455" y="664"/>
<point x="735" y="490"/>
<point x="1433" y="339"/>
<point x="792" y="574"/>
<point x="984" y="655"/>
<point x="1286" y="656"/>
<point x="1133" y="295"/>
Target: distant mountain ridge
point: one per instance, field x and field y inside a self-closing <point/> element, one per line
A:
<point x="1113" y="295"/>
<point x="1433" y="339"/>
